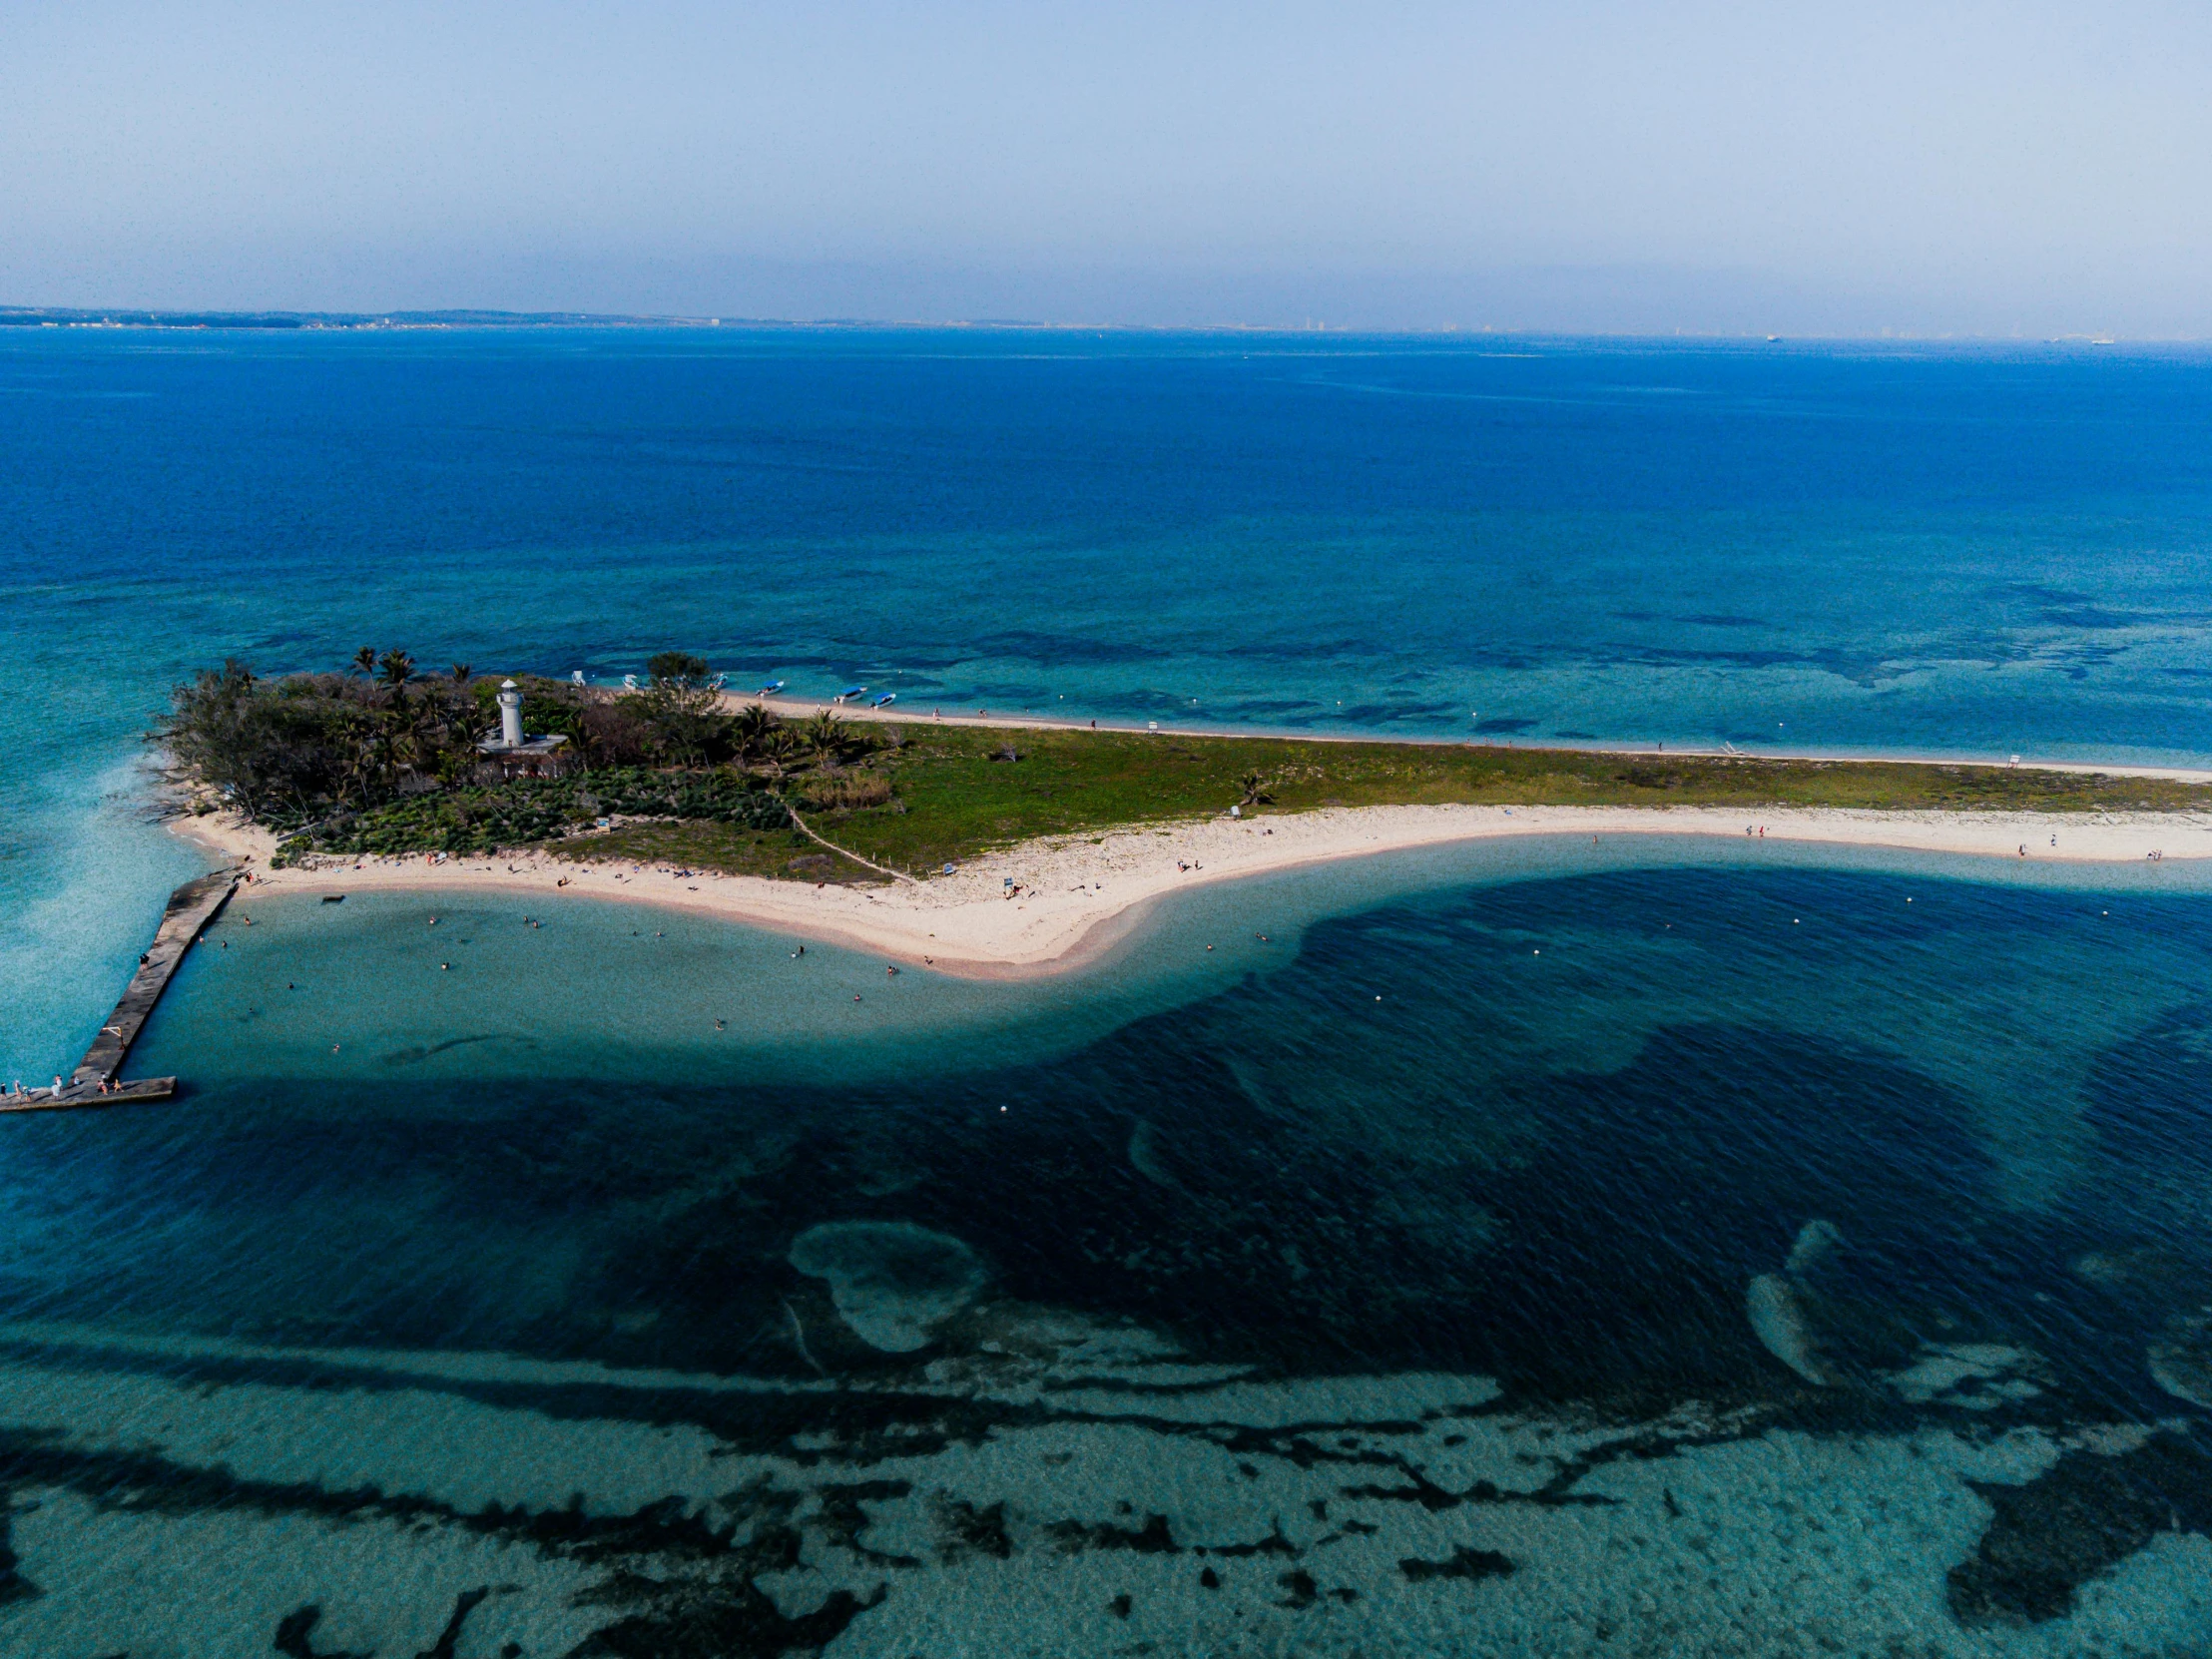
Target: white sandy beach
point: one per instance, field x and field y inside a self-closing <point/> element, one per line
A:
<point x="1050" y="905"/>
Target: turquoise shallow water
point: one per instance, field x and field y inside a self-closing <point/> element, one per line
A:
<point x="1530" y="1245"/>
<point x="1527" y="1249"/>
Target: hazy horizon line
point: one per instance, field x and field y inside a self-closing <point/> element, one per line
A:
<point x="417" y="316"/>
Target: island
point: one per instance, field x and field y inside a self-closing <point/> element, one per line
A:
<point x="980" y="843"/>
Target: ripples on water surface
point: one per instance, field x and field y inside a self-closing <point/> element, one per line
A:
<point x="1699" y="1258"/>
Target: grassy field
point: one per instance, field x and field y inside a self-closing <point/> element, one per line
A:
<point x="955" y="794"/>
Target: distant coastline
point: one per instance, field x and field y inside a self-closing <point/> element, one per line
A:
<point x="144" y="317"/>
<point x="138" y="317"/>
<point x="127" y="317"/>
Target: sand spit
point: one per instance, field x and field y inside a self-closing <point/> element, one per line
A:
<point x="1050" y="905"/>
<point x="921" y="713"/>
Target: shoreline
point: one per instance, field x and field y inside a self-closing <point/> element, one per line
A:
<point x="1052" y="906"/>
<point x="914" y="714"/>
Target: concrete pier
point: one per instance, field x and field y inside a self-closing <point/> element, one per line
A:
<point x="190" y="907"/>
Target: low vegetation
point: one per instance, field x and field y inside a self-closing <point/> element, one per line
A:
<point x="383" y="761"/>
<point x="526" y="811"/>
<point x="965" y="789"/>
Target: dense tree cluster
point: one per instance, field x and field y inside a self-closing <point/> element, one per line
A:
<point x="312" y="749"/>
<point x="291" y="749"/>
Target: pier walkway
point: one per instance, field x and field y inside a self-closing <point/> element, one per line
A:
<point x="190" y="907"/>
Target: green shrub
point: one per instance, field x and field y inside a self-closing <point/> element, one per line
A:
<point x="541" y="809"/>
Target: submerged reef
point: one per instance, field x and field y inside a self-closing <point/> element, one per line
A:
<point x="1082" y="1485"/>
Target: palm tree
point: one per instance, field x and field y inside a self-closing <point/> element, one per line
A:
<point x="750" y="727"/>
<point x="778" y="746"/>
<point x="824" y="736"/>
<point x="366" y="742"/>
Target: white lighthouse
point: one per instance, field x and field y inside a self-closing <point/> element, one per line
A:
<point x="513" y="753"/>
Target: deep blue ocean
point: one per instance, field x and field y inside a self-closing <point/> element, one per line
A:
<point x="1522" y="1249"/>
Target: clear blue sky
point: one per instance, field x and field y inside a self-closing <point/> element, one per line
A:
<point x="1585" y="163"/>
